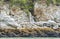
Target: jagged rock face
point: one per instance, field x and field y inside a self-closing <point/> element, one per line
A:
<point x="45" y="13"/>
<point x="19" y="15"/>
<point x="14" y="17"/>
<point x="11" y="19"/>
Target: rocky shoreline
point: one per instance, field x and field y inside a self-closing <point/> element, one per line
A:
<point x="43" y="22"/>
<point x="30" y="32"/>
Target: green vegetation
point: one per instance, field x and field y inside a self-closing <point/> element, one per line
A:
<point x="28" y="5"/>
<point x="23" y="4"/>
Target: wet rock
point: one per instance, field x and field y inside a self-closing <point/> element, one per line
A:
<point x="3" y="34"/>
<point x="51" y="34"/>
<point x="11" y="34"/>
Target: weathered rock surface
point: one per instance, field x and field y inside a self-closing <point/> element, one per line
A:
<point x="49" y="15"/>
<point x="11" y="18"/>
<point x="14" y="17"/>
<point x="47" y="21"/>
<point x="44" y="13"/>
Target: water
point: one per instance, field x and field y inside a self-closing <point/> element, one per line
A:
<point x="30" y="38"/>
